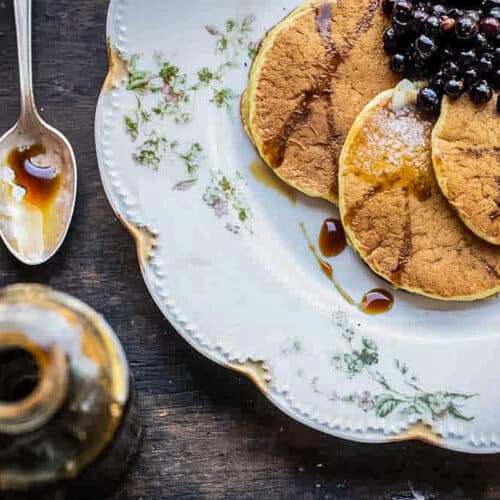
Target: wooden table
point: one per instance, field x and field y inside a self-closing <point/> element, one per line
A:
<point x="208" y="432"/>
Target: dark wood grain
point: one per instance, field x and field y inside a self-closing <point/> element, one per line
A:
<point x="208" y="432"/>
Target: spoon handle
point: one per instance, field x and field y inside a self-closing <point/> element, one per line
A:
<point x="22" y="10"/>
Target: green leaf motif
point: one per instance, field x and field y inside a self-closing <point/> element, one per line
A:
<point x="149" y="153"/>
<point x="243" y="215"/>
<point x="437" y="402"/>
<point x="132" y="126"/>
<point x="223" y="196"/>
<point x="252" y="50"/>
<point x="404" y="396"/>
<point x="169" y="73"/>
<point x="385" y="404"/>
<point x="224" y="97"/>
<point x="358" y="359"/>
<point x="369" y="354"/>
<point x="192" y="158"/>
<point x="164" y="102"/>
<point x="453" y="410"/>
<point x="421" y="408"/>
<point x="205" y="75"/>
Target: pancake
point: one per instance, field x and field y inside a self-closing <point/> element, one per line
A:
<point x="313" y="73"/>
<point x="466" y="158"/>
<point x="394" y="213"/>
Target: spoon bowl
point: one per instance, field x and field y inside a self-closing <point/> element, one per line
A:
<point x="38" y="174"/>
<point x="35" y="213"/>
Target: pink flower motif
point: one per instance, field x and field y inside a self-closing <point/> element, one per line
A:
<point x="338" y="364"/>
<point x="366" y="401"/>
<point x="220" y="208"/>
<point x="184" y="185"/>
<point x="168" y="95"/>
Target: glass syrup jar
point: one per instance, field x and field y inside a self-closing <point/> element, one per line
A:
<point x="68" y="418"/>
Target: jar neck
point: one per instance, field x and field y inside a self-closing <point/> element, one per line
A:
<point x="34" y="409"/>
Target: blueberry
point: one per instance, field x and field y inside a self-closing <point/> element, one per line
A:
<point x="498" y="104"/>
<point x="388" y="6"/>
<point x="485" y="64"/>
<point x="399" y="63"/>
<point x="454" y="88"/>
<point x="450" y="69"/>
<point x="420" y="65"/>
<point x="402" y="29"/>
<point x="466" y="28"/>
<point x="495" y="13"/>
<point x="428" y="100"/>
<point x="439" y="10"/>
<point x="455" y="13"/>
<point x="481" y="92"/>
<point x="470" y="75"/>
<point x="490" y="4"/>
<point x="481" y="42"/>
<point x="438" y="81"/>
<point x="425" y="46"/>
<point x="447" y="24"/>
<point x="402" y="11"/>
<point x="473" y="14"/>
<point x="495" y="80"/>
<point x="466" y="58"/>
<point x="490" y="26"/>
<point x="454" y="44"/>
<point x="391" y="41"/>
<point x="448" y="53"/>
<point x="432" y="26"/>
<point x="418" y="20"/>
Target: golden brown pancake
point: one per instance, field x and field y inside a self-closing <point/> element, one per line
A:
<point x="364" y="69"/>
<point x="394" y="213"/>
<point x="313" y="73"/>
<point x="466" y="158"/>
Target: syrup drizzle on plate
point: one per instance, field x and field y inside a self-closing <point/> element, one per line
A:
<point x="262" y="173"/>
<point x="332" y="242"/>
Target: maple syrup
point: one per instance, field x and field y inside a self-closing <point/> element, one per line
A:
<point x="324" y="22"/>
<point x="332" y="240"/>
<point x="41" y="184"/>
<point x="377" y="301"/>
<point x="262" y="173"/>
<point x="326" y="267"/>
<point x="69" y="420"/>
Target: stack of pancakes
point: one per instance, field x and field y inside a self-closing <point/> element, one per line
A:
<point x="420" y="200"/>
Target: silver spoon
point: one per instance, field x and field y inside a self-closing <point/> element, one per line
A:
<point x="38" y="173"/>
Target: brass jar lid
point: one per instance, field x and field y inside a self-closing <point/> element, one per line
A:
<point x="52" y="429"/>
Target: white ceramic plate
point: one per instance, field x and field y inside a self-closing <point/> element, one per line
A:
<point x="225" y="259"/>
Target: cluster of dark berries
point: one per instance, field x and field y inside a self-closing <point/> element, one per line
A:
<point x="453" y="44"/>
